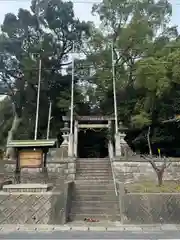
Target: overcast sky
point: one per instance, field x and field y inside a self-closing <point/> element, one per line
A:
<point x="82" y="10"/>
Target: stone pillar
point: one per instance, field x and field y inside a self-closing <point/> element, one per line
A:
<point x="65" y="135"/>
<point x="75" y="138"/>
<point x="70" y="146"/>
<point x="118" y="152"/>
<point x="62" y="152"/>
<point x="71" y="169"/>
<point x="119" y="141"/>
<point x="109" y="127"/>
<point x="123" y="143"/>
<point x="110" y="145"/>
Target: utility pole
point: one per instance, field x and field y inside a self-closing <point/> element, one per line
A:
<point x="38" y="98"/>
<point x="114" y="90"/>
<point x="49" y="119"/>
<point x="72" y="92"/>
<point x="71" y="147"/>
<point x="118" y="151"/>
<point x="39" y="79"/>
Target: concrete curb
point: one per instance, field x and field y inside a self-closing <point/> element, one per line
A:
<point x="52" y="228"/>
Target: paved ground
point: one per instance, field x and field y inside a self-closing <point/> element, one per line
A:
<point x="92" y="235"/>
<point x="90" y="232"/>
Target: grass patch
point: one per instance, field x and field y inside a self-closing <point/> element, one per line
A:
<point x="152" y="187"/>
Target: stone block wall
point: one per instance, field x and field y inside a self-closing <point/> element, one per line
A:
<point x="56" y="171"/>
<point x="57" y="168"/>
<point x="142" y="170"/>
<point x="32" y="208"/>
<point x="150" y="208"/>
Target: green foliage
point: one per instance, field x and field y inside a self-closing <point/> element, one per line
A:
<point x="140" y="120"/>
<point x="151" y="75"/>
<point x="146" y="59"/>
<point x="24" y="39"/>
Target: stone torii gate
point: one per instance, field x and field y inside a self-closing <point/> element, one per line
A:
<point x="91" y="122"/>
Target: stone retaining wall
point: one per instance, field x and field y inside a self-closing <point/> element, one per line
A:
<point x="57" y="169"/>
<point x="36" y="208"/>
<point x="142" y="170"/>
<point x="55" y="172"/>
<point x="31" y="208"/>
<point x="150" y="208"/>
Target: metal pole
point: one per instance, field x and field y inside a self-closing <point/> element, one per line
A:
<point x="72" y="93"/>
<point x="39" y="81"/>
<point x="49" y="119"/>
<point x="114" y="91"/>
<point x="38" y="97"/>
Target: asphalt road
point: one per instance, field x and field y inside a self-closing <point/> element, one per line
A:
<point x="92" y="235"/>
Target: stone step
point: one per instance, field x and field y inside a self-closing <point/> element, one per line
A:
<point x="93" y="176"/>
<point x="95" y="198"/>
<point x="108" y="173"/>
<point x="92" y="210"/>
<point x="89" y="170"/>
<point x="95" y="191"/>
<point x="90" y="177"/>
<point x="93" y="164"/>
<point x="100" y="182"/>
<point x="103" y="188"/>
<point x="94" y="183"/>
<point x="97" y="163"/>
<point x="92" y="204"/>
<point x="92" y="159"/>
<point x="79" y="196"/>
<point x="93" y="168"/>
<point x="91" y="173"/>
<point x="82" y="216"/>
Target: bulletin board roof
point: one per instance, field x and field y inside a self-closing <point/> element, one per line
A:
<point x="31" y="143"/>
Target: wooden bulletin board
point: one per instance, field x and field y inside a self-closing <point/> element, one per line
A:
<point x="31" y="158"/>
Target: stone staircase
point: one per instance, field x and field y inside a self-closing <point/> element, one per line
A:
<point x="94" y="194"/>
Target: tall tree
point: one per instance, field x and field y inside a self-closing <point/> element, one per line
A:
<point x="25" y="38"/>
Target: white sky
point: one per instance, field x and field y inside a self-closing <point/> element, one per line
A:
<point x="82" y="9"/>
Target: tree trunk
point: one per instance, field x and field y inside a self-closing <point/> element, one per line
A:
<point x="160" y="177"/>
<point x="149" y="142"/>
<point x="15" y="124"/>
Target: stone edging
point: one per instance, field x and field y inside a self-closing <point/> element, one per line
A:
<point x="85" y="227"/>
